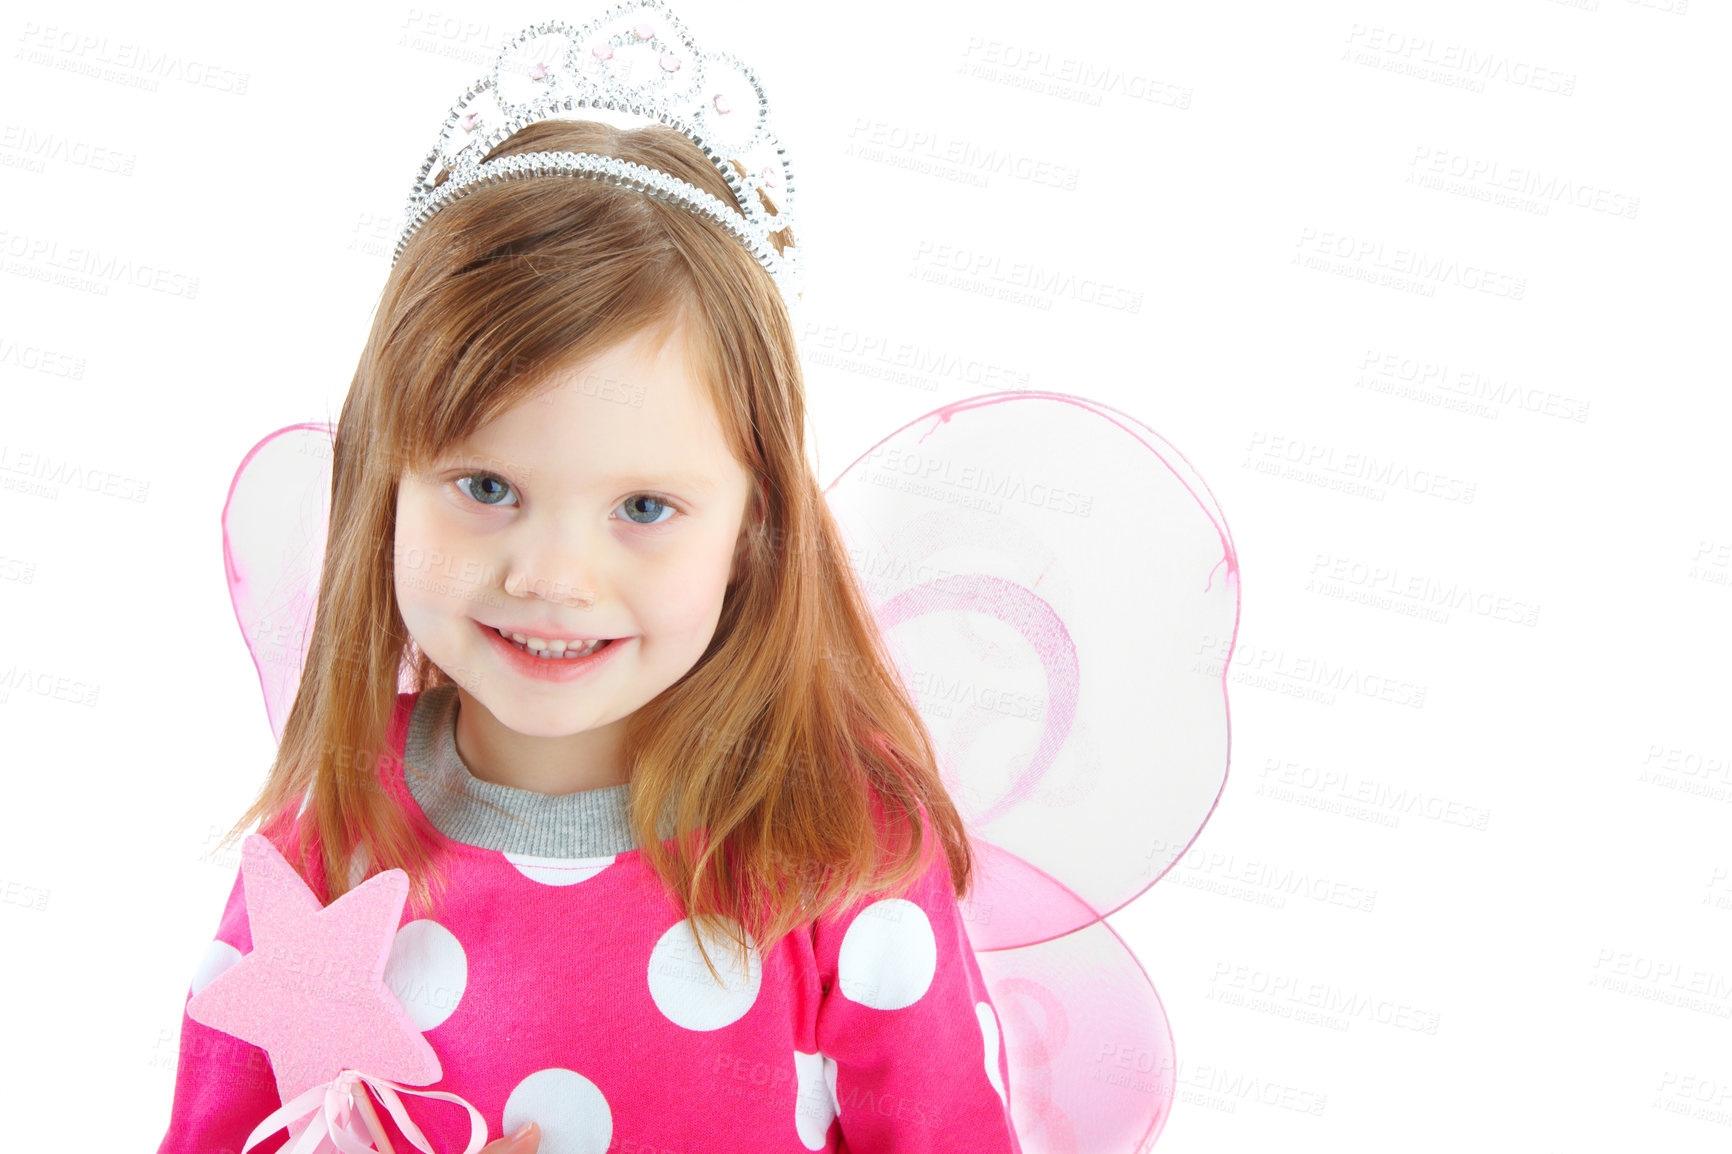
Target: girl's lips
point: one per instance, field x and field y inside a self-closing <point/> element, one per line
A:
<point x="550" y="668"/>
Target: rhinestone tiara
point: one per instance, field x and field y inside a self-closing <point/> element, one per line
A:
<point x="638" y="60"/>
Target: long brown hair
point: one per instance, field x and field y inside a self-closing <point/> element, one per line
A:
<point x="791" y="759"/>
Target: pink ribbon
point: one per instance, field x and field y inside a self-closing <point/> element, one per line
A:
<point x="344" y="1097"/>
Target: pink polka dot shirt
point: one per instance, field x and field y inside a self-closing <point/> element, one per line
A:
<point x="559" y="984"/>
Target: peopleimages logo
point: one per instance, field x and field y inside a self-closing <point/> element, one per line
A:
<point x="1350" y="471"/>
<point x="1423" y="56"/>
<point x="122" y="61"/>
<point x="1369" y="259"/>
<point x="89" y="269"/>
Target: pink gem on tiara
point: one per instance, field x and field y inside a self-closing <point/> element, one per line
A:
<point x="722" y="104"/>
<point x="602" y="52"/>
<point x="670" y="63"/>
<point x="642" y="31"/>
<point x="769" y="175"/>
<point x="539" y="71"/>
<point x="468" y="122"/>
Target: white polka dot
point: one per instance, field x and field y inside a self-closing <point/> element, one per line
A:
<point x="815" y="1102"/>
<point x="888" y="955"/>
<point x="989" y="1035"/>
<point x="573" y="1115"/>
<point x="428" y="972"/>
<point x="685" y="991"/>
<point x="218" y="956"/>
<point x="559" y="871"/>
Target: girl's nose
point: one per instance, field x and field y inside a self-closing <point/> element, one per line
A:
<point x="520" y="584"/>
<point x="560" y="561"/>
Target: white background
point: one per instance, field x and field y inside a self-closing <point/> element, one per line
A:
<point x="1480" y="246"/>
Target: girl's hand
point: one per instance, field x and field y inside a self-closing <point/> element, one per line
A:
<point x="525" y="1141"/>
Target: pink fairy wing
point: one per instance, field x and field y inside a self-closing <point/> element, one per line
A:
<point x="1059" y="590"/>
<point x="1061" y="595"/>
<point x="1088" y="1044"/>
<point x="273" y="547"/>
<point x="274" y="525"/>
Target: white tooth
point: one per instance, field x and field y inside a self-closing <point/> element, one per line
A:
<point x="553" y="649"/>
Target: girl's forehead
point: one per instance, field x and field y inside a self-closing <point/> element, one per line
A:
<point x="652" y="387"/>
<point x="592" y="427"/>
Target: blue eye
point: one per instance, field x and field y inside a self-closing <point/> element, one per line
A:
<point x="493" y="498"/>
<point x="490" y="490"/>
<point x="630" y="501"/>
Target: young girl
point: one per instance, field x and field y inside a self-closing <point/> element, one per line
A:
<point x="683" y="873"/>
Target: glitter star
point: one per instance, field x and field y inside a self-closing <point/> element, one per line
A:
<point x="311" y="993"/>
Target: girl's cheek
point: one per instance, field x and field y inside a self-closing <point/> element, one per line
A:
<point x="422" y="553"/>
<point x="694" y="595"/>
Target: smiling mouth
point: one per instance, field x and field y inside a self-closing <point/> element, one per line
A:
<point x="558" y="650"/>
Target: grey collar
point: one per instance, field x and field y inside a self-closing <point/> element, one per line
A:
<point x="589" y="823"/>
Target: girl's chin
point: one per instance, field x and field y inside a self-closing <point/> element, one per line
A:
<point x="523" y="720"/>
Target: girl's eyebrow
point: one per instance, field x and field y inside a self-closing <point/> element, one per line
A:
<point x="695" y="481"/>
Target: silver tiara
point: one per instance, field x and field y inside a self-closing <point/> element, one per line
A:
<point x="636" y="59"/>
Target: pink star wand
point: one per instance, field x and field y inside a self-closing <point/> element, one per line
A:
<point x="312" y="995"/>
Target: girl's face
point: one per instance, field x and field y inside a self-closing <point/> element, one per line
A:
<point x="607" y="506"/>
